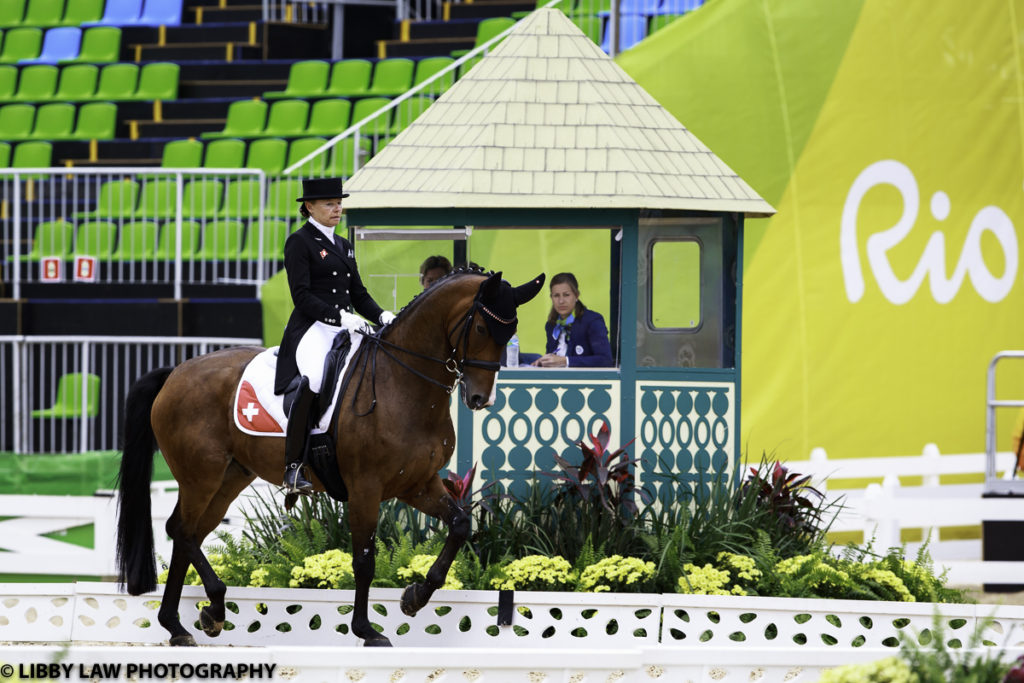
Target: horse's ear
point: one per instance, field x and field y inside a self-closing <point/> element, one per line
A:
<point x="491" y="286"/>
<point x="528" y="290"/>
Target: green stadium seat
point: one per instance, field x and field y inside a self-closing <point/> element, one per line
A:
<point x="350" y="77"/>
<point x="157" y="198"/>
<point x="246" y="118"/>
<point x="12" y="12"/>
<point x="281" y="196"/>
<point x="117" y="199"/>
<point x="392" y="77"/>
<point x="52" y="238"/>
<point x="225" y="153"/>
<point x="267" y="154"/>
<point x="96" y="239"/>
<point x="660" y="21"/>
<point x="54" y="121"/>
<point x="36" y="83"/>
<point x="78" y="12"/>
<point x="158" y="81"/>
<point x="5" y="155"/>
<point x="313" y="168"/>
<point x="189" y="240"/>
<point x="96" y="121"/>
<point x="77" y="82"/>
<point x="117" y="82"/>
<point x="287" y="118"/>
<point x="100" y="45"/>
<point x="201" y="198"/>
<point x="183" y="154"/>
<point x="32" y="154"/>
<point x="241" y="198"/>
<point x="43" y="13"/>
<point x="21" y="43"/>
<point x="341" y="160"/>
<point x="8" y="81"/>
<point x="485" y="31"/>
<point x="222" y="240"/>
<point x="16" y="121"/>
<point x="137" y="243"/>
<point x="305" y="79"/>
<point x="329" y="117"/>
<point x="367" y="106"/>
<point x="68" y="403"/>
<point x="275" y="232"/>
<point x="592" y="26"/>
<point x="427" y="67"/>
<point x="408" y="111"/>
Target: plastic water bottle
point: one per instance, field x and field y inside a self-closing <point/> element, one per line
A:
<point x="512" y="352"/>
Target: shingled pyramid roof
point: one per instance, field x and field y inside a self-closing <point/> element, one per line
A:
<point x="548" y="120"/>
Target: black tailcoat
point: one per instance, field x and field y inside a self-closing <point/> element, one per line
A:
<point x="323" y="280"/>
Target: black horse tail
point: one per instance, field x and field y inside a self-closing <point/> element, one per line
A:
<point x="136" y="565"/>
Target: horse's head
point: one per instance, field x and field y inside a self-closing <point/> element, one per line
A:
<point x="491" y="323"/>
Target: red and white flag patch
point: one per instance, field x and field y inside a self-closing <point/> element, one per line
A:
<point x="323" y="253"/>
<point x="252" y="414"/>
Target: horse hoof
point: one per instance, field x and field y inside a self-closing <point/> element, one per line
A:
<point x="409" y="604"/>
<point x="211" y="626"/>
<point x="183" y="641"/>
<point x="377" y="641"/>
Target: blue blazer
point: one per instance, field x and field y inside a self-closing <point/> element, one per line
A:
<point x="587" y="345"/>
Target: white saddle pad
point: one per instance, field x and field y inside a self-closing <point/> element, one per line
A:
<point x="259" y="411"/>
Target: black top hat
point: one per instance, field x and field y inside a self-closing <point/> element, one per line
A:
<point x="321" y="188"/>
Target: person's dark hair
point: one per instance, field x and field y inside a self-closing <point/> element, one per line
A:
<point x="435" y="262"/>
<point x="303" y="211"/>
<point x="566" y="279"/>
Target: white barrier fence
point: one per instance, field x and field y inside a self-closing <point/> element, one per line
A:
<point x="882" y="511"/>
<point x="66" y="393"/>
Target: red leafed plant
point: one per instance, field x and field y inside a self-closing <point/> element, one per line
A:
<point x="788" y="496"/>
<point x="461" y="489"/>
<point x="603" y="475"/>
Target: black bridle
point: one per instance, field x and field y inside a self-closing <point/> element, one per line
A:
<point x="453" y="364"/>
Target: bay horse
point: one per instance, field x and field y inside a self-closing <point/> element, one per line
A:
<point x="393" y="434"/>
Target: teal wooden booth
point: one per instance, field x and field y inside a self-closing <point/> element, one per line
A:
<point x="676" y="280"/>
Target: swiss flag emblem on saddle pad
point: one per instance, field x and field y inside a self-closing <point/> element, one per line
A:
<point x="251" y="413"/>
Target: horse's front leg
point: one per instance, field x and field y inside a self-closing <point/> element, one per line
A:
<point x="435" y="501"/>
<point x="362" y="516"/>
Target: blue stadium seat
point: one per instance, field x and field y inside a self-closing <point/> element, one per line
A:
<point x="678" y="6"/>
<point x="160" y="12"/>
<point x="120" y="13"/>
<point x="58" y="43"/>
<point x="632" y="29"/>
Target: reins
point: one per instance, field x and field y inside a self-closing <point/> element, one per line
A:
<point x="451" y="363"/>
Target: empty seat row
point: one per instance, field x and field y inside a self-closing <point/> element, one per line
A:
<point x="293" y="118"/>
<point x="604" y="7"/>
<point x="82" y="82"/>
<point x="31" y="154"/>
<point x="361" y="78"/>
<point x="142" y="240"/>
<point x="60" y="45"/>
<point x="45" y="13"/>
<point x="271" y="155"/>
<point x="202" y="198"/>
<point x="57" y="121"/>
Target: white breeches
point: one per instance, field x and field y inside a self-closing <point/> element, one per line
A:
<point x="312" y="350"/>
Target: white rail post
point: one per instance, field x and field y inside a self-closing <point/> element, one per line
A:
<point x="930" y="461"/>
<point x="179" y="182"/>
<point x="19" y="393"/>
<point x="83" y="428"/>
<point x="819" y="456"/>
<point x="104" y="531"/>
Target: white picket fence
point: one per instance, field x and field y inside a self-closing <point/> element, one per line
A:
<point x="882" y="510"/>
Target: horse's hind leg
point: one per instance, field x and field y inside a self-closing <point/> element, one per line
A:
<point x="436" y="502"/>
<point x="362" y="517"/>
<point x="190" y="523"/>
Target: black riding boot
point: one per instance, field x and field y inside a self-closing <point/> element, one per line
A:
<point x="296" y="438"/>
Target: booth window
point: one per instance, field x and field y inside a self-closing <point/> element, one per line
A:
<point x="675" y="284"/>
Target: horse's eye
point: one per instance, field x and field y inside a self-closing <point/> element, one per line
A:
<point x="480" y="329"/>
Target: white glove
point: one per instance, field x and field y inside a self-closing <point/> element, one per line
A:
<point x="387" y="317"/>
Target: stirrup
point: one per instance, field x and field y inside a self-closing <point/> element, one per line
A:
<point x="294" y="482"/>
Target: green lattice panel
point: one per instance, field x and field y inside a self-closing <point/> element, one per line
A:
<point x="532" y="421"/>
<point x="685" y="437"/>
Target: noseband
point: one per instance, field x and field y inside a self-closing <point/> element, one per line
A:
<point x="453" y="363"/>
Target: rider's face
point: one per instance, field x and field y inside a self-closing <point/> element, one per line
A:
<point x="325" y="211"/>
